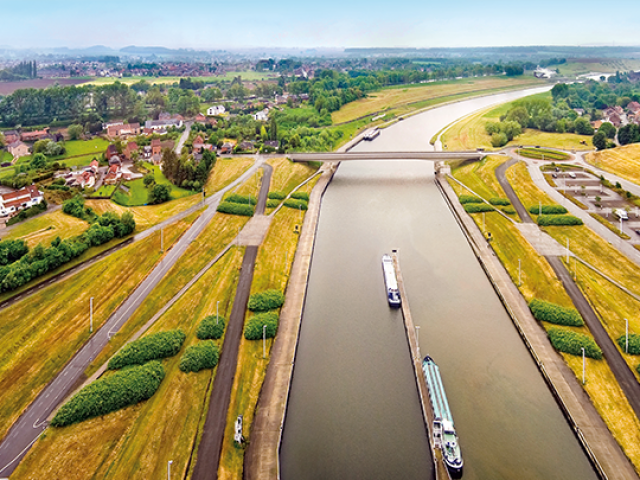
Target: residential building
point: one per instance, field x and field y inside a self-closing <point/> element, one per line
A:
<point x="158" y="125"/>
<point x="200" y="118"/>
<point x="130" y="149"/>
<point x="11" y="136"/>
<point x="262" y="115"/>
<point x="113" y="175"/>
<point x="633" y="107"/>
<point x="123" y="130"/>
<point x="111" y="152"/>
<point x="156" y="151"/>
<point x="226" y="148"/>
<point x="94" y="166"/>
<point x="35" y="135"/>
<point x="24" y="198"/>
<point x="18" y="149"/>
<point x="215" y="110"/>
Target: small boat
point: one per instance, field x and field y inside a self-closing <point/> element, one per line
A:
<point x="443" y="429"/>
<point x="390" y="281"/>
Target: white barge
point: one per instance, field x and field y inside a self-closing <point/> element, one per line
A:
<point x="371" y="134"/>
<point x="390" y="281"/>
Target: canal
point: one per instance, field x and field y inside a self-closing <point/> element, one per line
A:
<point x="354" y="410"/>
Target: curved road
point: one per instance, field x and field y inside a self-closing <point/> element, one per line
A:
<point x="624" y="376"/>
<point x="33" y="421"/>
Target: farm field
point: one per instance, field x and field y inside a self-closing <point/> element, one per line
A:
<point x="44" y="228"/>
<point x="24" y="371"/>
<point x="225" y="171"/>
<point x="7" y="88"/>
<point x="622" y="161"/>
<point x="575" y="66"/>
<point x="411" y="96"/>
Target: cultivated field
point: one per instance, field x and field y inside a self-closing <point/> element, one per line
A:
<point x="414" y="95"/>
<point x="7" y="88"/>
<point x="225" y="171"/>
<point x="45" y="228"/>
<point x="579" y="66"/>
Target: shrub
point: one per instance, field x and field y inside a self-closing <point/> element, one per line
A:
<point x="571" y="342"/>
<point x="634" y="343"/>
<point x="211" y="328"/>
<point x="75" y="207"/>
<point x="159" y="194"/>
<point x="470" y="199"/>
<point x="566" y="220"/>
<point x="509" y="210"/>
<point x="253" y="328"/>
<point x="236" y="209"/>
<point x="478" y="208"/>
<point x="265" y="301"/>
<point x="276" y="195"/>
<point x="111" y="393"/>
<point x="297" y="204"/>
<point x="28" y="213"/>
<point x="151" y="347"/>
<point x="200" y="356"/>
<point x="547" y="210"/>
<point x="300" y="196"/>
<point x="242" y="199"/>
<point x="12" y="250"/>
<point x="273" y="203"/>
<point x="552" y="313"/>
<point x="499" y="201"/>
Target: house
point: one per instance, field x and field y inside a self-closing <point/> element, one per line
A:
<point x="24" y="198"/>
<point x="198" y="144"/>
<point x="130" y="149"/>
<point x="161" y="125"/>
<point x="281" y="99"/>
<point x="215" y="110"/>
<point x="156" y="151"/>
<point x="200" y="118"/>
<point x="113" y="175"/>
<point x="18" y="149"/>
<point x="597" y="124"/>
<point x="615" y="119"/>
<point x="618" y="109"/>
<point x="262" y="115"/>
<point x="275" y="144"/>
<point x="123" y="130"/>
<point x="11" y="136"/>
<point x="226" y="148"/>
<point x="115" y="160"/>
<point x="579" y="111"/>
<point x="94" y="166"/>
<point x="112" y="151"/>
<point x="35" y="135"/>
<point x="246" y="146"/>
<point x="633" y="107"/>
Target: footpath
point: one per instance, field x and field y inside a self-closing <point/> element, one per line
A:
<point x="604" y="452"/>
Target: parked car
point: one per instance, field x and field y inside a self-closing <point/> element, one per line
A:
<point x="572" y="174"/>
<point x="621" y="214"/>
<point x="554" y="175"/>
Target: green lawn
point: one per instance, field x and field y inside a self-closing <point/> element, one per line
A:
<point x="105" y="191"/>
<point x="139" y="194"/>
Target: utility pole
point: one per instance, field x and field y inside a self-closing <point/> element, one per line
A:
<point x="162" y="240"/>
<point x="583" y="367"/>
<point x="91" y="315"/>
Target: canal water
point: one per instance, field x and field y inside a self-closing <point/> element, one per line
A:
<point x="354" y="411"/>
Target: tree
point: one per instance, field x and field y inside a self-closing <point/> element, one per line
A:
<point x="583" y="127"/>
<point x="2" y="140"/>
<point x="519" y="114"/>
<point x="600" y="140"/>
<point x="159" y="194"/>
<point x="149" y="179"/>
<point x="560" y="90"/>
<point x="608" y="130"/>
<point x="499" y="140"/>
<point x="629" y="134"/>
<point x="38" y="161"/>
<point x="75" y="131"/>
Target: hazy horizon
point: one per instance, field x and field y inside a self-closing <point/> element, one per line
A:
<point x="204" y="25"/>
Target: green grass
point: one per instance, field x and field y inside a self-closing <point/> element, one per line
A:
<point x="105" y="191"/>
<point x="541" y="153"/>
<point x="139" y="194"/>
<point x="44" y="228"/>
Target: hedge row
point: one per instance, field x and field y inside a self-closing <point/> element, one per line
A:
<point x="509" y="210"/>
<point x="273" y="203"/>
<point x="300" y="196"/>
<point x="111" y="393"/>
<point x="28" y="213"/>
<point x="236" y="209"/>
<point x="477" y="208"/>
<point x="565" y="220"/>
<point x="211" y="327"/>
<point x="572" y="343"/>
<point x="200" y="356"/>
<point x="151" y="347"/>
<point x="634" y="343"/>
<point x="470" y="199"/>
<point x="552" y="313"/>
<point x="499" y="201"/>
<point x="237" y="198"/>
<point x="547" y="210"/>
<point x="265" y="301"/>
<point x="253" y="328"/>
<point x="297" y="204"/>
<point x="276" y="195"/>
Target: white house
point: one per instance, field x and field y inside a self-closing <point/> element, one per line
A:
<point x="262" y="115"/>
<point x="24" y="198"/>
<point x="215" y="110"/>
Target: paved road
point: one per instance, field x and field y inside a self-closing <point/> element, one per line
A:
<point x="183" y="138"/>
<point x="33" y="421"/>
<point x="213" y="434"/>
<point x="625" y="377"/>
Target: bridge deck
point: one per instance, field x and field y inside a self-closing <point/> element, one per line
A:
<point x="340" y="157"/>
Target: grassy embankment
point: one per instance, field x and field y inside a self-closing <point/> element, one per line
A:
<point x="621" y="161"/>
<point x="56" y="320"/>
<point x="469" y="133"/>
<point x="610" y="303"/>
<point x="138" y="441"/>
<point x="273" y="265"/>
<point x="576" y="66"/>
<point x="225" y="171"/>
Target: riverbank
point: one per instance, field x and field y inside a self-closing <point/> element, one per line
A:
<point x="603" y="451"/>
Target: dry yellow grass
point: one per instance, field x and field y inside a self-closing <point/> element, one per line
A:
<point x="137" y="442"/>
<point x="225" y="171"/>
<point x="45" y="228"/>
<point x="621" y="161"/>
<point x="394" y="97"/>
<point x="56" y="321"/>
<point x="481" y="177"/>
<point x="273" y="264"/>
<point x="469" y="133"/>
<point x="147" y="216"/>
<point x="288" y="174"/>
<point x="529" y="194"/>
<point x="566" y="141"/>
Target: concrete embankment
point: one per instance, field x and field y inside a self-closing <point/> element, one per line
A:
<point x="439" y="468"/>
<point x="605" y="454"/>
<point x="262" y="458"/>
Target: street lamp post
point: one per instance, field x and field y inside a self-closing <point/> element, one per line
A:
<point x="264" y="341"/>
<point x="567" y="250"/>
<point x="626" y="336"/>
<point x="484" y="224"/>
<point x="169" y="469"/>
<point x="418" y="340"/>
<point x="217" y="304"/>
<point x="91" y="315"/>
<point x="583" y="366"/>
<point x="519" y="271"/>
<point x="162" y="240"/>
<point x="620" y="226"/>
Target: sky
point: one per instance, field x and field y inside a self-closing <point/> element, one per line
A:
<point x="227" y="24"/>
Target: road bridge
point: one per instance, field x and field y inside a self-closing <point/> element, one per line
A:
<point x="340" y="157"/>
